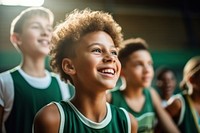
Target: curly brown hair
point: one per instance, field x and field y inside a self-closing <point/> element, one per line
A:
<point x="76" y="25"/>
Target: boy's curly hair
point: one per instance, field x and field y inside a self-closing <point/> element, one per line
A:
<point x="77" y="24"/>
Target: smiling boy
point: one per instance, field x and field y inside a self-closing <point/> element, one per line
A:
<point x="28" y="87"/>
<point x="85" y="53"/>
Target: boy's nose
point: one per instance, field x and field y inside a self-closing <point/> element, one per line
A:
<point x="45" y="32"/>
<point x="109" y="58"/>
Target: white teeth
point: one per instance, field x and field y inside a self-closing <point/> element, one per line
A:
<point x="108" y="71"/>
<point x="44" y="42"/>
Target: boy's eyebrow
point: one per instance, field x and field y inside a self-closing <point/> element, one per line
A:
<point x="36" y="22"/>
<point x="99" y="44"/>
<point x="92" y="45"/>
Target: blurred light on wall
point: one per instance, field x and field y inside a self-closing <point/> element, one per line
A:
<point x="22" y="2"/>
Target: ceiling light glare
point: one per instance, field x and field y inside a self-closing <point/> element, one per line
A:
<point x="22" y="2"/>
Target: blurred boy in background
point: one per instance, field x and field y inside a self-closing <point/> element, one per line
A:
<point x="166" y="83"/>
<point x="138" y="97"/>
<point x="28" y="87"/>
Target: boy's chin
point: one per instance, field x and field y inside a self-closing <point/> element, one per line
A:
<point x="146" y="85"/>
<point x="110" y="87"/>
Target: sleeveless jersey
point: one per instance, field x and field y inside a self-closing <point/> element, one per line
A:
<point x="72" y="121"/>
<point x="187" y="122"/>
<point x="146" y="117"/>
<point x="27" y="101"/>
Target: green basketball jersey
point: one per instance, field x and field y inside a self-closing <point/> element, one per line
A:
<point x="146" y="117"/>
<point x="72" y="121"/>
<point x="188" y="124"/>
<point x="27" y="101"/>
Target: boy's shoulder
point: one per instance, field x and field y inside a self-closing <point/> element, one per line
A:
<point x="7" y="74"/>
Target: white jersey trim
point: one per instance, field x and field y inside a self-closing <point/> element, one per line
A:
<point x="179" y="97"/>
<point x="6" y="96"/>
<point x="91" y="123"/>
<point x="128" y="119"/>
<point x="64" y="88"/>
<point x="62" y="117"/>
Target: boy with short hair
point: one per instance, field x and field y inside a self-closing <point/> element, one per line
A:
<point x="28" y="87"/>
<point x="137" y="96"/>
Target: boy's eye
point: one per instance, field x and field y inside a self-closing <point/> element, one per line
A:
<point x="50" y="29"/>
<point x="114" y="53"/>
<point x="97" y="50"/>
<point x="35" y="26"/>
<point x="136" y="64"/>
<point x="150" y="63"/>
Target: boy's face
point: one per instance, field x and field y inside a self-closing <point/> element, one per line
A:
<point x="167" y="83"/>
<point x="138" y="70"/>
<point x="96" y="62"/>
<point x="35" y="37"/>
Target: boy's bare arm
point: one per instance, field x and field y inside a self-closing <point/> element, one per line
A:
<point x="174" y="108"/>
<point x="134" y="124"/>
<point x="47" y="120"/>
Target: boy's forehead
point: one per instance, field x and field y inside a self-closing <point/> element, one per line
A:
<point x="32" y="16"/>
<point x="98" y="38"/>
<point x="36" y="18"/>
<point x="140" y="54"/>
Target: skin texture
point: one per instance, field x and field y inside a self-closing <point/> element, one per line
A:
<point x="96" y="59"/>
<point x="140" y="68"/>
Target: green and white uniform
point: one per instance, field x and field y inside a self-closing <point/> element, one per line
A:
<point x="22" y="96"/>
<point x="72" y="121"/>
<point x="189" y="120"/>
<point x="146" y="117"/>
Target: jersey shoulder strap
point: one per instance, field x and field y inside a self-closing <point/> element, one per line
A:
<point x="128" y="119"/>
<point x="62" y="117"/>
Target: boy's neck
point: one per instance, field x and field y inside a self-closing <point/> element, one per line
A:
<point x="133" y="92"/>
<point x="92" y="108"/>
<point x="34" y="71"/>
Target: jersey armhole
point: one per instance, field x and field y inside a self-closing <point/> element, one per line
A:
<point x="179" y="97"/>
<point x="128" y="119"/>
<point x="62" y="117"/>
<point x="182" y="110"/>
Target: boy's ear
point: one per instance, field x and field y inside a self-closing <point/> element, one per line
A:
<point x="15" y="39"/>
<point x="68" y="66"/>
